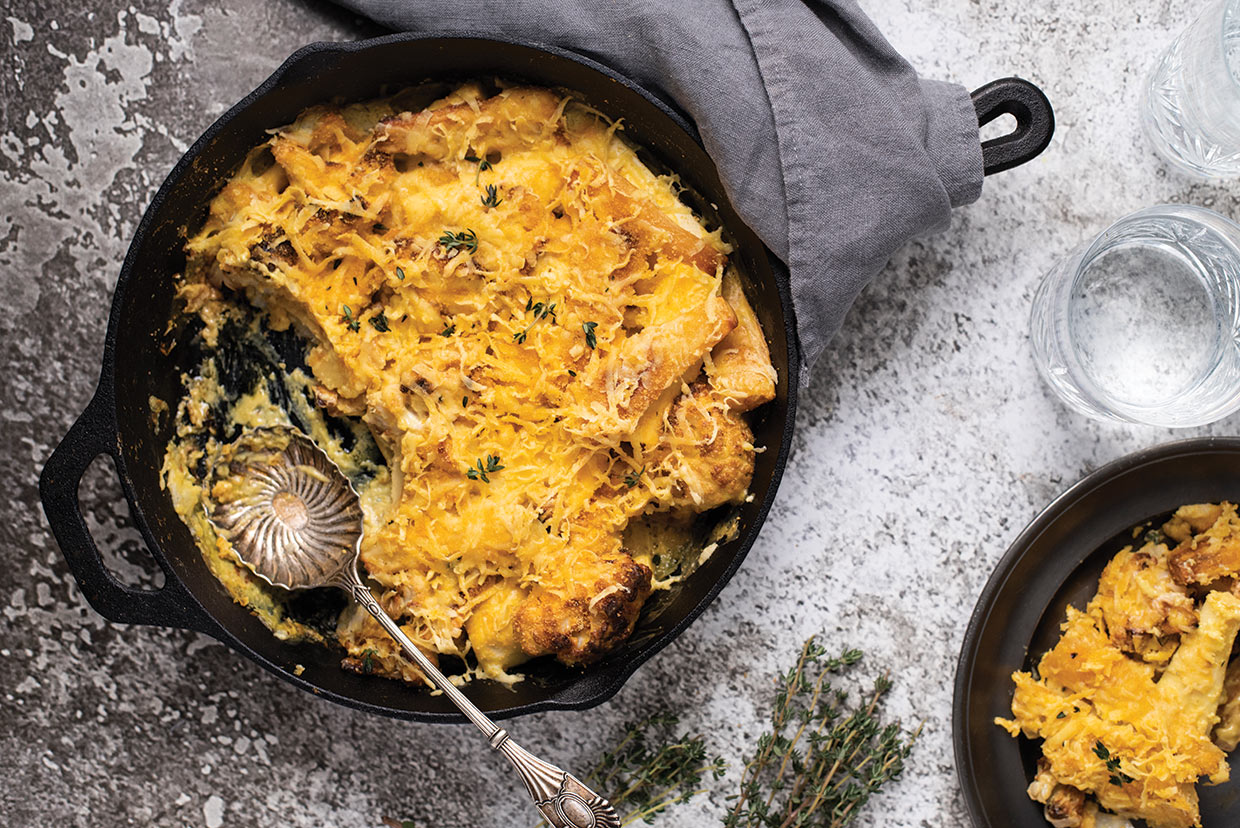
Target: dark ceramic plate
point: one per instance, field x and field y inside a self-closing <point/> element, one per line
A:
<point x="1055" y="562"/>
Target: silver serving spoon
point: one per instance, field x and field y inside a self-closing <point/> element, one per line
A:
<point x="294" y="520"/>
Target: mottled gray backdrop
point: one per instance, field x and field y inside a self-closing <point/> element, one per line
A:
<point x="925" y="444"/>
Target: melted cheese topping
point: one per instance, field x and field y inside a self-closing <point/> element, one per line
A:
<point x="544" y="341"/>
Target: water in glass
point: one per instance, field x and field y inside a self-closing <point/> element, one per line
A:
<point x="1142" y="324"/>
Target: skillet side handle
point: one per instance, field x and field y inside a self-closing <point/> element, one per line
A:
<point x="92" y="435"/>
<point x="1035" y="122"/>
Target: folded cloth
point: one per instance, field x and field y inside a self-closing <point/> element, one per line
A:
<point x="830" y="147"/>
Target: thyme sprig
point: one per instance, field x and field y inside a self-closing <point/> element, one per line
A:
<point x="466" y="240"/>
<point x="634" y="477"/>
<point x="591" y="339"/>
<point x="479" y="472"/>
<point x="541" y="311"/>
<point x="820" y="762"/>
<point x="653" y="767"/>
<point x="491" y="199"/>
<point x="380" y="322"/>
<point x="1118" y="777"/>
<point x="351" y="321"/>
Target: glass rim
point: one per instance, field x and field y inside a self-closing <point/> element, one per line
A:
<point x="1187" y="212"/>
<point x="1230" y="17"/>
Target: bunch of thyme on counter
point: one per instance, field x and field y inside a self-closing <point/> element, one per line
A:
<point x="820" y="762"/>
<point x="816" y="767"/>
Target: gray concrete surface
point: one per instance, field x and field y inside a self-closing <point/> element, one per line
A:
<point x="925" y="443"/>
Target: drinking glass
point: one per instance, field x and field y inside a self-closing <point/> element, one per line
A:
<point x="1142" y="324"/>
<point x="1191" y="100"/>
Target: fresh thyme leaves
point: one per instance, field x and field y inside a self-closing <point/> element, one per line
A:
<point x="820" y="762"/>
<point x="1154" y="536"/>
<point x="400" y="273"/>
<point x="448" y="330"/>
<point x="484" y="166"/>
<point x="350" y="321"/>
<point x="591" y="339"/>
<point x="541" y="311"/>
<point x="466" y="240"/>
<point x="1118" y="777"/>
<point x="652" y="768"/>
<point x="471" y="158"/>
<point x="379" y="322"/>
<point x="491" y="199"/>
<point x="480" y="472"/>
<point x="380" y="228"/>
<point x="368" y="664"/>
<point x="633" y="478"/>
<point x="465" y="402"/>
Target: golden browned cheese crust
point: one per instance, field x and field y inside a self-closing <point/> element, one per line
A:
<point x="517" y="308"/>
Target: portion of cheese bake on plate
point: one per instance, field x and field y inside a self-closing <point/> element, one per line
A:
<point x="544" y="341"/>
<point x="1141" y="697"/>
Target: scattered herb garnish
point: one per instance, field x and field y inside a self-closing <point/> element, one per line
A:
<point x="379" y="322"/>
<point x="480" y="472"/>
<point x="448" y="330"/>
<point x="400" y="273"/>
<point x="368" y="664"/>
<point x="350" y="321"/>
<point x="464" y="240"/>
<point x="491" y="199"/>
<point x="465" y="402"/>
<point x="380" y="227"/>
<point x="541" y="311"/>
<point x="591" y="339"/>
<point x="484" y="166"/>
<point x="571" y="372"/>
<point x="1154" y="536"/>
<point x="633" y="478"/>
<point x="1118" y="777"/>
<point x="1061" y="715"/>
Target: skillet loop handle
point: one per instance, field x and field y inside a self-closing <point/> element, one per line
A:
<point x="1035" y="122"/>
<point x="94" y="434"/>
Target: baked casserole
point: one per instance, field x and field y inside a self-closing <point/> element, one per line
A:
<point x="548" y="352"/>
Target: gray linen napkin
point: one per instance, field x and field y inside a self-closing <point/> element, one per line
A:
<point x="830" y="146"/>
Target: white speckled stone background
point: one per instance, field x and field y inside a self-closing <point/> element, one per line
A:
<point x="924" y="445"/>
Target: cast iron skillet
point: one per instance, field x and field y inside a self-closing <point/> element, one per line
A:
<point x="1055" y="562"/>
<point x="137" y="362"/>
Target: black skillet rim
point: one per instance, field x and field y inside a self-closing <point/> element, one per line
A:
<point x="605" y="684"/>
<point x="965" y="763"/>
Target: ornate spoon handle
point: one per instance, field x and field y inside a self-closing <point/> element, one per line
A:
<point x="561" y="798"/>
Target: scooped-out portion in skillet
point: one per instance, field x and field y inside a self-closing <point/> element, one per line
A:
<point x="531" y="358"/>
<point x="1141" y="695"/>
